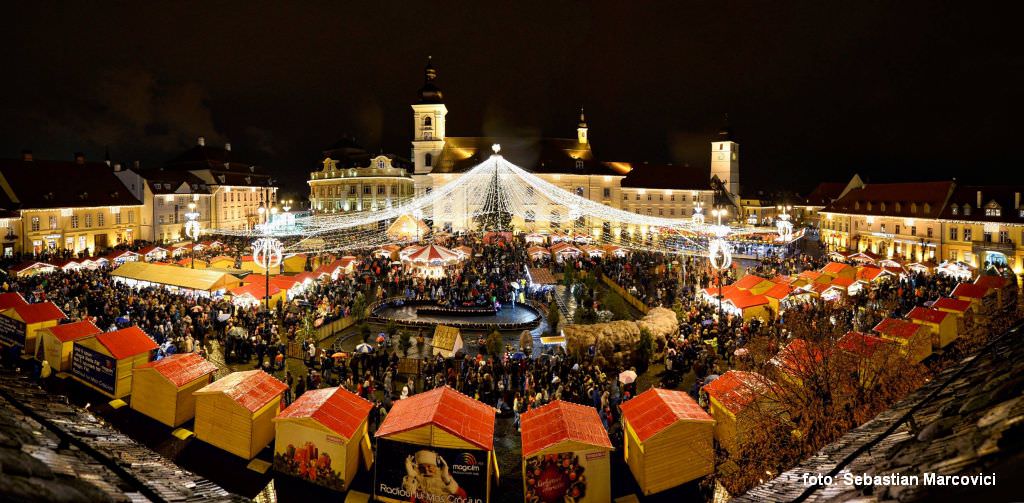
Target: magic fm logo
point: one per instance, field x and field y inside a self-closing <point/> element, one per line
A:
<point x="467" y="463"/>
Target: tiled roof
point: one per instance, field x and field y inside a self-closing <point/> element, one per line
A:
<point x="182" y="368"/>
<point x="560" y="421"/>
<point x="860" y="343"/>
<point x="69" y="332"/>
<point x="338" y="409"/>
<point x="952" y="304"/>
<point x="824" y="193"/>
<point x="970" y="291"/>
<point x="928" y="315"/>
<point x="11" y="299"/>
<point x="94" y="185"/>
<point x="252" y="389"/>
<point x="736" y="389"/>
<point x="875" y="195"/>
<point x="654" y="410"/>
<point x="447" y="409"/>
<point x="997" y="197"/>
<point x="39" y="312"/>
<point x="990" y="281"/>
<point x="126" y="342"/>
<point x="897" y="328"/>
<point x="538" y="155"/>
<point x="749" y="281"/>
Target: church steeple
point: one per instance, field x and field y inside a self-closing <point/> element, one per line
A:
<point x="430" y="93"/>
<point x="581" y="128"/>
<point x="428" y="116"/>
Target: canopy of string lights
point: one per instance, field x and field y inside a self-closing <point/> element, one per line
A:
<point x="495" y="195"/>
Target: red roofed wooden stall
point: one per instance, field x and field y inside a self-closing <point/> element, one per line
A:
<point x="915" y="340"/>
<point x="941" y="325"/>
<point x="731" y="397"/>
<point x="864" y="353"/>
<point x="963" y="310"/>
<point x="1006" y="291"/>
<point x="320" y="436"/>
<point x="56" y="343"/>
<point x="163" y="389"/>
<point x="235" y="413"/>
<point x="105" y="361"/>
<point x="565" y="454"/>
<point x="20" y="322"/>
<point x="982" y="298"/>
<point x="446" y="438"/>
<point x="669" y="439"/>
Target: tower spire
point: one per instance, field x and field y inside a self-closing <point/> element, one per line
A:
<point x="581" y="128"/>
<point x="430" y="93"/>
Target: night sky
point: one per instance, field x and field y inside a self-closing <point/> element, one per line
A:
<point x="814" y="92"/>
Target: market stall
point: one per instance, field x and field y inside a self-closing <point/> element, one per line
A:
<point x="407" y="228"/>
<point x="982" y="298"/>
<point x="915" y="341"/>
<point x="864" y="352"/>
<point x="27" y="269"/>
<point x="119" y="257"/>
<point x="163" y="389"/>
<point x="321" y="436"/>
<point x="235" y="413"/>
<point x="1006" y="292"/>
<point x="255" y="293"/>
<point x="537" y="253"/>
<point x="669" y="439"/>
<point x="436" y="446"/>
<point x="961" y="309"/>
<point x="155" y="253"/>
<point x="565" y="454"/>
<point x="20" y="322"/>
<point x="430" y="261"/>
<point x="447" y="341"/>
<point x="941" y="325"/>
<point x="106" y="361"/>
<point x="57" y="342"/>
<point x="734" y="397"/>
<point x="206" y="282"/>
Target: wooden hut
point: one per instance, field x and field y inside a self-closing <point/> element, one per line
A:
<point x="669" y="439"/>
<point x="31" y="268"/>
<point x="914" y="339"/>
<point x="797" y="360"/>
<point x="235" y="413"/>
<point x="294" y="263"/>
<point x="163" y="389"/>
<point x="320" y="436"/>
<point x="447" y="341"/>
<point x="105" y="361"/>
<point x="19" y="324"/>
<point x="56" y="343"/>
<point x="565" y="454"/>
<point x="941" y="325"/>
<point x="961" y="309"/>
<point x="1006" y="291"/>
<point x="732" y="397"/>
<point x="983" y="299"/>
<point x="839" y="270"/>
<point x="448" y="438"/>
<point x="864" y="353"/>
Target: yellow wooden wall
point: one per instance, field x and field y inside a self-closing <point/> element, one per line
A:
<point x="263" y="426"/>
<point x="725" y="425"/>
<point x="185" y="408"/>
<point x="153" y="396"/>
<point x="56" y="352"/>
<point x="678" y="454"/>
<point x="31" y="335"/>
<point x="224" y="424"/>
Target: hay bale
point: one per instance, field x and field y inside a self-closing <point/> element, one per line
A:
<point x="616" y="340"/>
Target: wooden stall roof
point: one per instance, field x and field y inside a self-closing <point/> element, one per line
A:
<point x="798" y="357"/>
<point x="779" y="291"/>
<point x="834" y="268"/>
<point x="445" y="337"/>
<point x="338" y="409"/>
<point x="453" y="412"/>
<point x="650" y="412"/>
<point x="897" y="328"/>
<point x="181" y="368"/>
<point x="126" y="342"/>
<point x="927" y="315"/>
<point x="11" y="299"/>
<point x="192" y="279"/>
<point x="736" y="389"/>
<point x="560" y="421"/>
<point x="861" y="344"/>
<point x="970" y="290"/>
<point x="952" y="304"/>
<point x="256" y="289"/>
<point x="749" y="281"/>
<point x="252" y="389"/>
<point x="39" y="312"/>
<point x="69" y="332"/>
<point x="542" y="276"/>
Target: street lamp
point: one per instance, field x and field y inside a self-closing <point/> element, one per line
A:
<point x="193" y="229"/>
<point x="719" y="254"/>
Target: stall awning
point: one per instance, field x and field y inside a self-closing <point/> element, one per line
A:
<point x="192" y="279"/>
<point x="560" y="421"/>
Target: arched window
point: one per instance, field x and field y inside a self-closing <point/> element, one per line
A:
<point x="380" y="163"/>
<point x="428" y="159"/>
<point x="428" y="122"/>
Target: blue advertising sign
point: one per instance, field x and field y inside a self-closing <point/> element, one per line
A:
<point x="12" y="332"/>
<point x="94" y="368"/>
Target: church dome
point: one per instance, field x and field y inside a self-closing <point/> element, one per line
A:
<point x="430" y="93"/>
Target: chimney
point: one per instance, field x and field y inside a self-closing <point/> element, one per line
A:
<point x="227" y="146"/>
<point x="79" y="158"/>
<point x="135" y="164"/>
<point x="26" y="155"/>
<point x="117" y="166"/>
<point x="202" y="141"/>
<point x="1016" y="200"/>
<point x="979" y="199"/>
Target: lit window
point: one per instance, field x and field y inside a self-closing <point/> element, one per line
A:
<point x="956" y="210"/>
<point x="35" y="223"/>
<point x="99" y="219"/>
<point x="74" y="221"/>
<point x="53" y="222"/>
<point x="993" y="212"/>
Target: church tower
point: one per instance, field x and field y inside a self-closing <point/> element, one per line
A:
<point x="428" y="116"/>
<point x="725" y="160"/>
<point x="581" y="129"/>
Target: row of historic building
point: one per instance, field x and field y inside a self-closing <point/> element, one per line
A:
<point x="82" y="206"/>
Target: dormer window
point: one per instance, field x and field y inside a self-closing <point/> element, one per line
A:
<point x="927" y="208"/>
<point x="993" y="212"/>
<point x="913" y="208"/>
<point x="881" y="207"/>
<point x="967" y="210"/>
<point x="856" y="205"/>
<point x="956" y="210"/>
<point x="380" y="162"/>
<point x="869" y="206"/>
<point x="899" y="207"/>
<point x="579" y="163"/>
<point x="428" y="123"/>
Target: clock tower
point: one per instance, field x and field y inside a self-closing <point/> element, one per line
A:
<point x="428" y="116"/>
<point x="725" y="161"/>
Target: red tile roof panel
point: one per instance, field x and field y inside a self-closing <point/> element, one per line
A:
<point x="927" y="315"/>
<point x="182" y="368"/>
<point x="11" y="299"/>
<point x="252" y="389"/>
<point x="736" y="389"/>
<point x="952" y="304"/>
<point x="39" y="312"/>
<point x="990" y="281"/>
<point x="447" y="409"/>
<point x="652" y="411"/>
<point x="897" y="328"/>
<point x="126" y="342"/>
<point x="861" y="344"/>
<point x="970" y="290"/>
<point x="338" y="409"/>
<point x="70" y="332"/>
<point x="559" y="421"/>
<point x="749" y="281"/>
